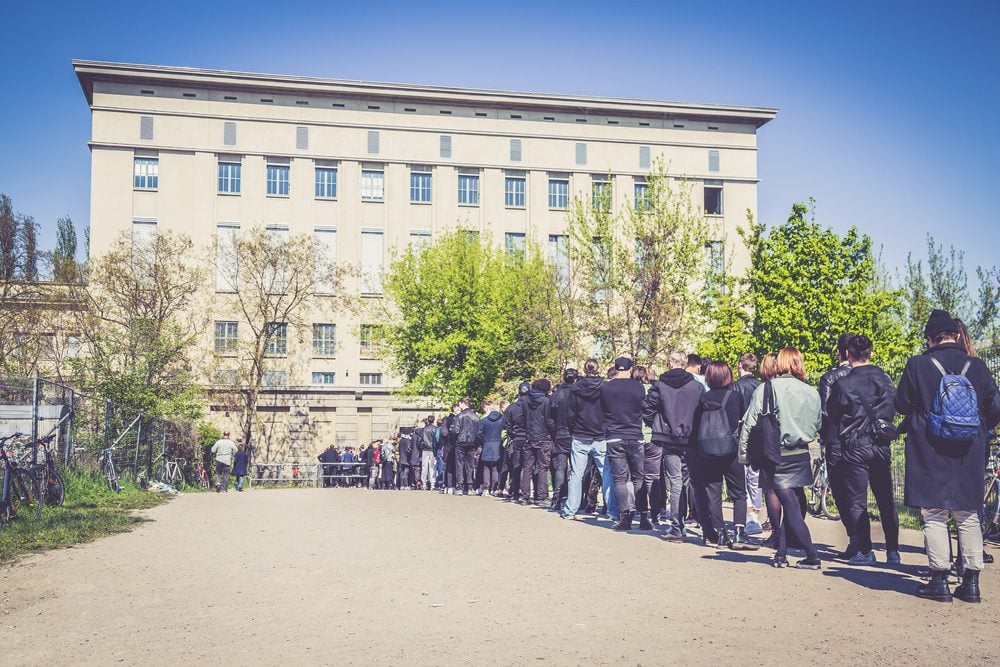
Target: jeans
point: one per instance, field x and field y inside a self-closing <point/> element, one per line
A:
<point x="938" y="541"/>
<point x="428" y="469"/>
<point x="239" y="482"/>
<point x="753" y="488"/>
<point x="535" y="466"/>
<point x="465" y="467"/>
<point x="707" y="475"/>
<point x="673" y="461"/>
<point x="580" y="452"/>
<point x="855" y="479"/>
<point x="221" y="476"/>
<point x="608" y="487"/>
<point x="652" y="472"/>
<point x="626" y="458"/>
<point x="560" y="464"/>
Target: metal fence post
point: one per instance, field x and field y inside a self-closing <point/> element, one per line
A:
<point x="68" y="445"/>
<point x="34" y="419"/>
<point x="138" y="440"/>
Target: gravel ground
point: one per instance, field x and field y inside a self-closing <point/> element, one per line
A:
<point x="335" y="576"/>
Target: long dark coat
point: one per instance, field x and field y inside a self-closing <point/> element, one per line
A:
<point x="942" y="474"/>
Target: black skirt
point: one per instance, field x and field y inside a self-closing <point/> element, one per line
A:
<point x="791" y="473"/>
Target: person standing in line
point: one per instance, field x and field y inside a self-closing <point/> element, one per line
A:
<point x="428" y="469"/>
<point x="241" y="461"/>
<point x="348" y="457"/>
<point x="621" y="401"/>
<point x="833" y="472"/>
<point x="694" y="366"/>
<point x="745" y="386"/>
<point x="669" y="409"/>
<point x="440" y="438"/>
<point x="463" y="430"/>
<point x="713" y="459"/>
<point x="950" y="402"/>
<point x="448" y="451"/>
<point x="489" y="437"/>
<point x="405" y="444"/>
<point x="328" y="457"/>
<point x="388" y="458"/>
<point x="859" y="432"/>
<point x="539" y="427"/>
<point x="503" y="465"/>
<point x="798" y="415"/>
<point x="223" y="451"/>
<point x="562" y="444"/>
<point x="513" y="425"/>
<point x="585" y="422"/>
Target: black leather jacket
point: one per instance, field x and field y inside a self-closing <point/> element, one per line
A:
<point x="848" y="431"/>
<point x="464" y="428"/>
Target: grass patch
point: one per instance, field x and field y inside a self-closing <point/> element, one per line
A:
<point x="91" y="510"/>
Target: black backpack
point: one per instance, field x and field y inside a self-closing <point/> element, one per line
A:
<point x="764" y="444"/>
<point x="715" y="433"/>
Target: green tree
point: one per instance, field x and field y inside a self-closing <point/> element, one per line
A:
<point x="984" y="326"/>
<point x="642" y="271"/>
<point x="463" y="317"/>
<point x="8" y="239"/>
<point x="64" y="269"/>
<point x="28" y="241"/>
<point x="807" y="284"/>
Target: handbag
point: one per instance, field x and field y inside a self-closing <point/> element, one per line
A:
<point x="764" y="441"/>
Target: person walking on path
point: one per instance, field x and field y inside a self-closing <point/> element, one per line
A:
<point x="746" y="385"/>
<point x="621" y="401"/>
<point x="241" y="460"/>
<point x="833" y="464"/>
<point x="859" y="431"/>
<point x="950" y="402"/>
<point x="223" y="451"/>
<point x="797" y="409"/>
<point x="586" y="427"/>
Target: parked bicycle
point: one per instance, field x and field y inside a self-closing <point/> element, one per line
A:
<point x="990" y="519"/>
<point x="15" y="487"/>
<point x="45" y="476"/>
<point x="820" y="498"/>
<point x="172" y="472"/>
<point x="107" y="464"/>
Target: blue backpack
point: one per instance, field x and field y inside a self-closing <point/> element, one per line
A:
<point x="954" y="415"/>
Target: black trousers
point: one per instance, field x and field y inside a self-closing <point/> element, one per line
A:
<point x="449" y="466"/>
<point x="835" y="474"/>
<point x="560" y="470"/>
<point x="535" y="468"/>
<point x="707" y="475"/>
<point x="857" y="477"/>
<point x="491" y="475"/>
<point x="626" y="459"/>
<point x="652" y="488"/>
<point x="516" y="463"/>
<point x="465" y="467"/>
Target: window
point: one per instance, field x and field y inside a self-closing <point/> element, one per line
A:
<point x="513" y="192"/>
<point x="277" y="180"/>
<point x="373" y="141"/>
<point x="326" y="183"/>
<point x="277" y="338"/>
<point x="445" y="146"/>
<point x="143" y="236"/>
<point x="558" y="193"/>
<point x="468" y="190"/>
<point x="420" y="239"/>
<point x="326" y="259"/>
<point x="559" y="256"/>
<point x="302" y="137"/>
<point x="420" y="187"/>
<point x="229" y="177"/>
<point x="601" y="194"/>
<point x="513" y="243"/>
<point x="372" y="185"/>
<point x="146" y="124"/>
<point x="226" y="264"/>
<point x="146" y="173"/>
<point x="644" y="157"/>
<point x="226" y="336"/>
<point x="324" y="378"/>
<point x="713" y="160"/>
<point x="274" y="378"/>
<point x="275" y="275"/>
<point x="324" y="340"/>
<point x="229" y="131"/>
<point x="371" y="341"/>
<point x="372" y="261"/>
<point x="641" y="195"/>
<point x="515" y="150"/>
<point x="713" y="197"/>
<point x="581" y="154"/>
<point x="366" y="379"/>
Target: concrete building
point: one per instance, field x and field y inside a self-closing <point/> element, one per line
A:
<point x="369" y="167"/>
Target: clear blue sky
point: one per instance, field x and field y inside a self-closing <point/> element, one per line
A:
<point x="887" y="110"/>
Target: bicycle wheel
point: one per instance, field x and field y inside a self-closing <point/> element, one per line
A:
<point x="55" y="490"/>
<point x="111" y="475"/>
<point x="830" y="509"/>
<point x="24" y="489"/>
<point x="991" y="510"/>
<point x="814" y="499"/>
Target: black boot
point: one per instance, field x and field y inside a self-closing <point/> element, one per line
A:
<point x="937" y="588"/>
<point x="644" y="523"/>
<point x="968" y="590"/>
<point x="625" y="522"/>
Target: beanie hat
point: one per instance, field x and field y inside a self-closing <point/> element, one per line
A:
<point x="523" y="389"/>
<point x="570" y="375"/>
<point x="939" y="322"/>
<point x="623" y="363"/>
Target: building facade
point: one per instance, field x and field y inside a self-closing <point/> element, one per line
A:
<point x="369" y="168"/>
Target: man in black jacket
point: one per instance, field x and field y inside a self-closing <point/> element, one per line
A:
<point x="621" y="400"/>
<point x="403" y="474"/>
<point x="858" y="403"/>
<point x="669" y="409"/>
<point x="585" y="422"/>
<point x="464" y="428"/>
<point x="428" y="462"/>
<point x="539" y="427"/>
<point x="833" y="472"/>
<point x="746" y="385"/>
<point x="448" y="451"/>
<point x="562" y="442"/>
<point x="944" y="477"/>
<point x="513" y="425"/>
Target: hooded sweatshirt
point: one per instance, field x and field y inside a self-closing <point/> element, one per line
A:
<point x="560" y="413"/>
<point x="621" y="401"/>
<point x="669" y="407"/>
<point x="490" y="428"/>
<point x="538" y="422"/>
<point x="513" y="420"/>
<point x="585" y="420"/>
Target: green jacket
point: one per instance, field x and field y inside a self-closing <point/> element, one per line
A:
<point x="798" y="408"/>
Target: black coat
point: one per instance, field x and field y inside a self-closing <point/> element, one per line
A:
<point x="847" y="428"/>
<point x="489" y="436"/>
<point x="538" y="422"/>
<point x="513" y="420"/>
<point x="559" y="402"/>
<point x="941" y="474"/>
<point x="464" y="428"/>
<point x="669" y="407"/>
<point x="586" y="416"/>
<point x="745" y="387"/>
<point x="826" y="382"/>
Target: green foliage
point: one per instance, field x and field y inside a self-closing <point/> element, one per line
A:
<point x="984" y="326"/>
<point x="64" y="269"/>
<point x="807" y="285"/>
<point x="466" y="316"/>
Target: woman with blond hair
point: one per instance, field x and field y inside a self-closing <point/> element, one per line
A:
<point x="797" y="408"/>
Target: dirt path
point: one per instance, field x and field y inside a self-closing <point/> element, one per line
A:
<point x="351" y="576"/>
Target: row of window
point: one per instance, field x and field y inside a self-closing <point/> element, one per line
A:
<point x="324" y="339"/>
<point x="146" y="177"/>
<point x="279" y="378"/>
